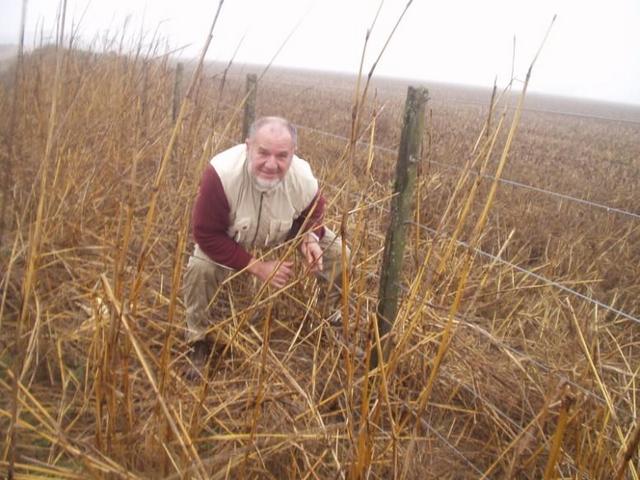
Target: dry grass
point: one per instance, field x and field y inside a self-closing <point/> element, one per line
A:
<point x="529" y="382"/>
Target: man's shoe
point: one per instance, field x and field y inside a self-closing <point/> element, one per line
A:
<point x="198" y="356"/>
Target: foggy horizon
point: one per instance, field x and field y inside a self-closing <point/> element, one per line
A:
<point x="589" y="54"/>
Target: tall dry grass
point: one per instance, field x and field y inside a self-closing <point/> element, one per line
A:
<point x="492" y="373"/>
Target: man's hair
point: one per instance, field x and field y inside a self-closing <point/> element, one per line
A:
<point x="262" y="121"/>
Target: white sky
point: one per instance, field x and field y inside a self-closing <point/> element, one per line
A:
<point x="593" y="50"/>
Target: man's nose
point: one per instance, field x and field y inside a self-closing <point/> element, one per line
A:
<point x="271" y="162"/>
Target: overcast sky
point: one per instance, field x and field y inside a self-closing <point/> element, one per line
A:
<point x="592" y="51"/>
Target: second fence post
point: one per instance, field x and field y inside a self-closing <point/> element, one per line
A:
<point x="250" y="105"/>
<point x="408" y="157"/>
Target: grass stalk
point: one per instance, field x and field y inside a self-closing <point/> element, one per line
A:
<point x="554" y="453"/>
<point x="627" y="454"/>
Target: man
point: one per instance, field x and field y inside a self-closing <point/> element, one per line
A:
<point x="253" y="197"/>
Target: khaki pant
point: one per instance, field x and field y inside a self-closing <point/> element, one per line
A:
<point x="204" y="277"/>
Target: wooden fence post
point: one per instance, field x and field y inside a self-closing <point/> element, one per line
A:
<point x="408" y="157"/>
<point x="251" y="88"/>
<point x="177" y="86"/>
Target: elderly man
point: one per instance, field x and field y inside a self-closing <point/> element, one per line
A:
<point x="252" y="197"/>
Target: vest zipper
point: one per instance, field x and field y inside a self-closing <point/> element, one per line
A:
<point x="255" y="235"/>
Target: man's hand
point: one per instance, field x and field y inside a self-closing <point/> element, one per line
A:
<point x="279" y="275"/>
<point x="312" y="252"/>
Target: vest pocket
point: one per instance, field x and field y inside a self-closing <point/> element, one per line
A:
<point x="241" y="229"/>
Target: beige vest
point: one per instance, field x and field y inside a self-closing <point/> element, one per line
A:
<point x="262" y="219"/>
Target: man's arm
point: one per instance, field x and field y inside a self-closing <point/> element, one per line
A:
<point x="315" y="214"/>
<point x="211" y="222"/>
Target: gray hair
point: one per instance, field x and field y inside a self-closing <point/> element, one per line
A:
<point x="283" y="122"/>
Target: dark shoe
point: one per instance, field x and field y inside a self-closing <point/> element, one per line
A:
<point x="198" y="356"/>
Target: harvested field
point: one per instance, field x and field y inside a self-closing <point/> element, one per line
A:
<point x="516" y="359"/>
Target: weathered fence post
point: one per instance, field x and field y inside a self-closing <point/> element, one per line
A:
<point x="408" y="158"/>
<point x="177" y="86"/>
<point x="251" y="89"/>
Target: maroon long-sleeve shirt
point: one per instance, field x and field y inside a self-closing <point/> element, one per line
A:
<point x="211" y="221"/>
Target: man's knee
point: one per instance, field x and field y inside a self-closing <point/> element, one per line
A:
<point x="201" y="280"/>
<point x="333" y="254"/>
<point x="332" y="246"/>
<point x="199" y="268"/>
<point x="202" y="268"/>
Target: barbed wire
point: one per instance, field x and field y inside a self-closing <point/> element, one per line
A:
<point x="545" y="280"/>
<point x="446" y="441"/>
<point x="506" y="181"/>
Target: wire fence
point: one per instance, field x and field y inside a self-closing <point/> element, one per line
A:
<point x="536" y="276"/>
<point x="513" y="183"/>
<point x="546" y="281"/>
<point x="462" y="320"/>
<point x="447" y="101"/>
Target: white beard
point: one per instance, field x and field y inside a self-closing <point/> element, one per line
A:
<point x="265" y="185"/>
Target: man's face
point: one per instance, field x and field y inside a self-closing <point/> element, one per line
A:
<point x="270" y="152"/>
